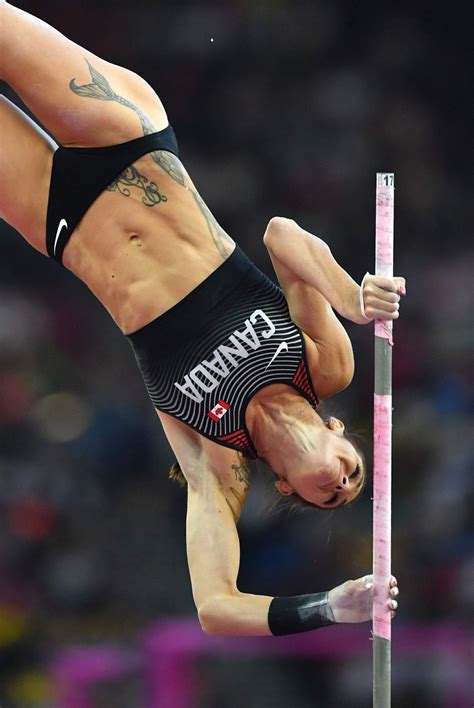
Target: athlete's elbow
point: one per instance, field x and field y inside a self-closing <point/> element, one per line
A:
<point x="345" y="379"/>
<point x="209" y="618"/>
<point x="208" y="622"/>
<point x="287" y="241"/>
<point x="345" y="373"/>
<point x="276" y="227"/>
<point x="214" y="616"/>
<point x="336" y="377"/>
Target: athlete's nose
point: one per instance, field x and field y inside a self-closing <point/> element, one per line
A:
<point x="343" y="482"/>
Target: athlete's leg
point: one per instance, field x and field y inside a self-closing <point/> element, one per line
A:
<point x="25" y="167"/>
<point x="80" y="98"/>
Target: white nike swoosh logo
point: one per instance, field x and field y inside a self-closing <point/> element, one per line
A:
<point x="62" y="224"/>
<point x="283" y="346"/>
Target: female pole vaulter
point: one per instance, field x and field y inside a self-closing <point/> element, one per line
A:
<point x="235" y="366"/>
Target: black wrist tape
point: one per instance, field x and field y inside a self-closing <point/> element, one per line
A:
<point x="289" y="615"/>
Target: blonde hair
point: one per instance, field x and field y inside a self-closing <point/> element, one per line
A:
<point x="177" y="475"/>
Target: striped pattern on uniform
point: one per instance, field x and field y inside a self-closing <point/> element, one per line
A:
<point x="233" y="339"/>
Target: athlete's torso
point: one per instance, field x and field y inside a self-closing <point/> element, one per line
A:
<point x="143" y="247"/>
<point x="138" y="257"/>
<point x="160" y="244"/>
<point x="154" y="262"/>
<point x="206" y="358"/>
<point x="136" y="279"/>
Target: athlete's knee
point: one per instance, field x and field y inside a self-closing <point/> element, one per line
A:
<point x="137" y="83"/>
<point x="5" y="32"/>
<point x="2" y="33"/>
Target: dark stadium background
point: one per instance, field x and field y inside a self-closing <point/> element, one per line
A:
<point x="290" y="110"/>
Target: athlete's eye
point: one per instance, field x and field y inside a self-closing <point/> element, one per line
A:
<point x="355" y="473"/>
<point x="331" y="501"/>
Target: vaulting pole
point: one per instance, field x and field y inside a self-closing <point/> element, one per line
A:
<point x="382" y="510"/>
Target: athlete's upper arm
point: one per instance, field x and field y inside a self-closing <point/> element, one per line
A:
<point x="218" y="481"/>
<point x="212" y="542"/>
<point x="183" y="440"/>
<point x="310" y="311"/>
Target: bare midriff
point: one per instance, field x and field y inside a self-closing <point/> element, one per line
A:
<point x="140" y="260"/>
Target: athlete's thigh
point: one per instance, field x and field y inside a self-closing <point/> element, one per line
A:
<point x="25" y="167"/>
<point x="80" y="98"/>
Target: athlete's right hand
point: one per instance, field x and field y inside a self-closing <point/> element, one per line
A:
<point x="379" y="298"/>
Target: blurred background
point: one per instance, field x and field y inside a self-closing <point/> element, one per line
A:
<point x="281" y="107"/>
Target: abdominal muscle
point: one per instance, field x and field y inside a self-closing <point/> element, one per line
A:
<point x="140" y="260"/>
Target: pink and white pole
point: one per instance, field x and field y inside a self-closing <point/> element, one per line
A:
<point x="382" y="513"/>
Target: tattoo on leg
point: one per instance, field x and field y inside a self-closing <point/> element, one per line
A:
<point x="101" y="90"/>
<point x="131" y="177"/>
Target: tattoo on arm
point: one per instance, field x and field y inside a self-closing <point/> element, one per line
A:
<point x="242" y="475"/>
<point x="240" y="498"/>
<point x="101" y="90"/>
<point x="234" y="513"/>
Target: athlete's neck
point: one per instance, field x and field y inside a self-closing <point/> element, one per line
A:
<point x="278" y="423"/>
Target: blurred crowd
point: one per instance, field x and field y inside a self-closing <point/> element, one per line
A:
<point x="281" y="108"/>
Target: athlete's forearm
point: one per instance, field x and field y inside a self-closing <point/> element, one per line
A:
<point x="311" y="260"/>
<point x="237" y="614"/>
<point x="242" y="614"/>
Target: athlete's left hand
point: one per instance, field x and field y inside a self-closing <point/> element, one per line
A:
<point x="352" y="601"/>
<point x="379" y="298"/>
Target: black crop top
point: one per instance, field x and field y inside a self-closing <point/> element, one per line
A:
<point x="80" y="174"/>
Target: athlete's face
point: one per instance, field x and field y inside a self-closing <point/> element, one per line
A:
<point x="330" y="474"/>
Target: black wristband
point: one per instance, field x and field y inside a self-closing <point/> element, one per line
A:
<point x="289" y="615"/>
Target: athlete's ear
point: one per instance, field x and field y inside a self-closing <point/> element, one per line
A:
<point x="284" y="487"/>
<point x="336" y="425"/>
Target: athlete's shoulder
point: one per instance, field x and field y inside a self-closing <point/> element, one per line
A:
<point x="199" y="456"/>
<point x="223" y="462"/>
<point x="231" y="470"/>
